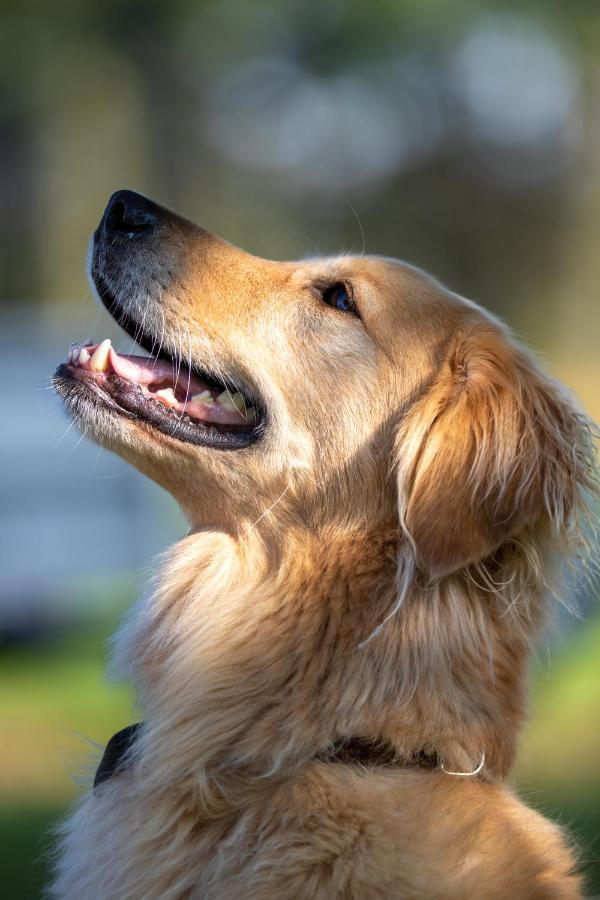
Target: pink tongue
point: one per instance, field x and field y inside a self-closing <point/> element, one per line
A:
<point x="141" y="370"/>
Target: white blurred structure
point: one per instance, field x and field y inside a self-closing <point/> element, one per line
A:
<point x="69" y="512"/>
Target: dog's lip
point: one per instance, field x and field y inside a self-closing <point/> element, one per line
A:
<point x="160" y="390"/>
<point x="161" y="381"/>
<point x="89" y="395"/>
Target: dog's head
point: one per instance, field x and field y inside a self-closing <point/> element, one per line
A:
<point x="345" y="390"/>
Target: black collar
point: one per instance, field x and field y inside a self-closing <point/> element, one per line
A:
<point x="355" y="751"/>
<point x="358" y="751"/>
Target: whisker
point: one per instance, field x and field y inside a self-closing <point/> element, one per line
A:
<point x="76" y="445"/>
<point x="362" y="231"/>
<point x="270" y="508"/>
<point x="64" y="434"/>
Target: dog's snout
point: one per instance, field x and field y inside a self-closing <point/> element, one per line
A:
<point x="130" y="213"/>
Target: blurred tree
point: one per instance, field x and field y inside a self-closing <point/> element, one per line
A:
<point x="270" y="122"/>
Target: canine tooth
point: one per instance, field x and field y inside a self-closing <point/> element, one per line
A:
<point x="204" y="397"/>
<point x="83" y="357"/>
<point x="99" y="359"/>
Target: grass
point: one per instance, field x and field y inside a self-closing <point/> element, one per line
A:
<point x="25" y="836"/>
<point x="55" y="704"/>
<point x="57" y="710"/>
<point x="56" y="693"/>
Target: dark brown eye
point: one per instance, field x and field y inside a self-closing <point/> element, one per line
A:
<point x="338" y="296"/>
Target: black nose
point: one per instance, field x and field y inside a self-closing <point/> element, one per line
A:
<point x="130" y="213"/>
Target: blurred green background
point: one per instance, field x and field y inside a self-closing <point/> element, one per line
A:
<point x="462" y="136"/>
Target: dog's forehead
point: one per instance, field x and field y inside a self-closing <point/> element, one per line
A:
<point x="344" y="265"/>
<point x="384" y="283"/>
<point x="393" y="295"/>
<point x="387" y="276"/>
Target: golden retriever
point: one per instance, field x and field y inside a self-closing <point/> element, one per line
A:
<point x="331" y="667"/>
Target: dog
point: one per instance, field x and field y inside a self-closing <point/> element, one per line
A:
<point x="381" y="486"/>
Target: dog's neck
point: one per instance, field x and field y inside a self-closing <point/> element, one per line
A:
<point x="248" y="658"/>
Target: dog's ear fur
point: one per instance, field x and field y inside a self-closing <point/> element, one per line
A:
<point x="492" y="447"/>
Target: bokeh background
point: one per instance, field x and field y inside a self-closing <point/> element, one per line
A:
<point x="461" y="135"/>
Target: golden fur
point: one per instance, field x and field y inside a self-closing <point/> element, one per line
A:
<point x="377" y="565"/>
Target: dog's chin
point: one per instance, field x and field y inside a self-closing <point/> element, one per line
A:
<point x="100" y="421"/>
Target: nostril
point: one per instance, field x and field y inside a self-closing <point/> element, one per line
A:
<point x="130" y="213"/>
<point x="115" y="216"/>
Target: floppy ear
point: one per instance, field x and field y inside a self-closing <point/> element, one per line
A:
<point x="492" y="447"/>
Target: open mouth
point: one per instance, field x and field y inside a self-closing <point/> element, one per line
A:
<point x="182" y="403"/>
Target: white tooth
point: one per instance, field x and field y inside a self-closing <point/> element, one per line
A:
<point x="205" y="397"/>
<point x="239" y="403"/>
<point x="83" y="357"/>
<point x="99" y="360"/>
<point x="224" y="399"/>
<point x="235" y="402"/>
<point x="167" y="396"/>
